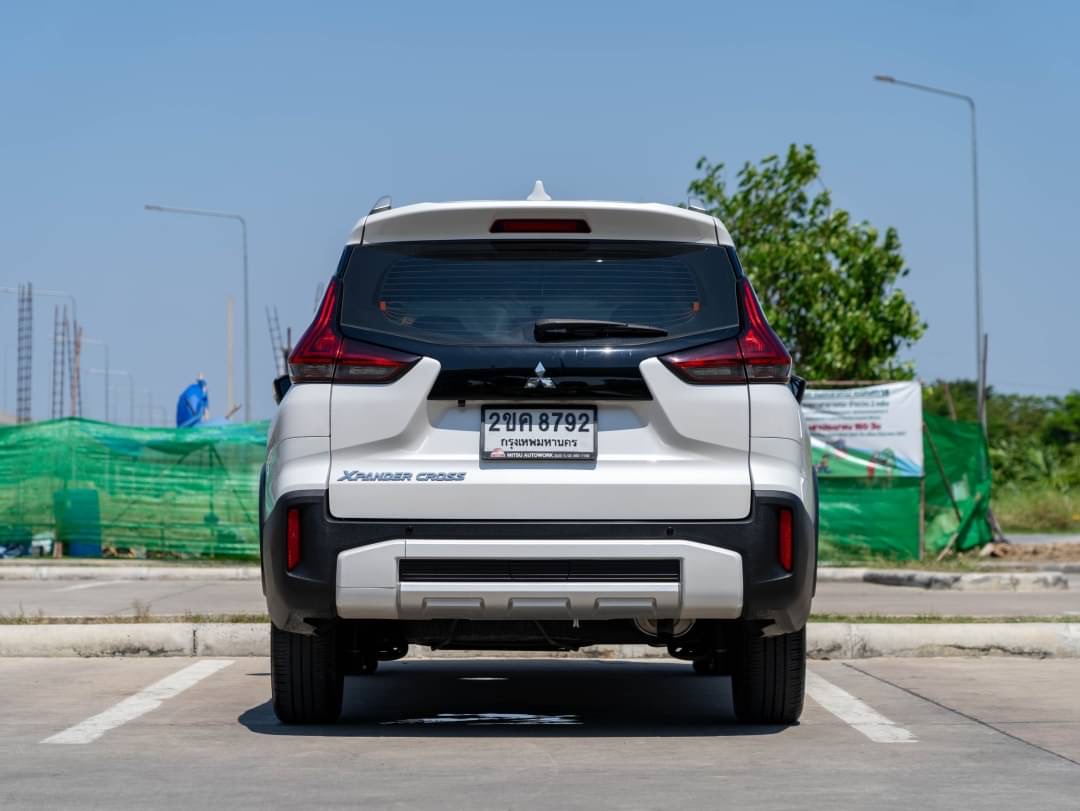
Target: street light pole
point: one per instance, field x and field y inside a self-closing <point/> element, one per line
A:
<point x="247" y="323"/>
<point x="131" y="387"/>
<point x="97" y="342"/>
<point x="979" y="361"/>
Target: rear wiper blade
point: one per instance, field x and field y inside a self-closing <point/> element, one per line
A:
<point x="564" y="329"/>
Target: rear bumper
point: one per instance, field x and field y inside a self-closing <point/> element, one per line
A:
<point x="350" y="569"/>
<point x="369" y="586"/>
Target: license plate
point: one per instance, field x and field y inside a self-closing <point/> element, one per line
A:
<point x="509" y="433"/>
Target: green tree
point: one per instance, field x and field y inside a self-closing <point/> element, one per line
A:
<point x="1062" y="427"/>
<point x="828" y="284"/>
<point x="1033" y="440"/>
<point x="1008" y="416"/>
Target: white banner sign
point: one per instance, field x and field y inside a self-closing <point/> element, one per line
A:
<point x="868" y="431"/>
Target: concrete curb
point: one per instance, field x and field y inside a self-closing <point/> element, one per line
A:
<point x="868" y="640"/>
<point x="1028" y="566"/>
<point x="971" y="581"/>
<point x="1051" y="580"/>
<point x="126" y="572"/>
<point x="829" y="640"/>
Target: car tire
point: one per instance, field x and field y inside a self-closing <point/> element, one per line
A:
<point x="306" y="678"/>
<point x="768" y="680"/>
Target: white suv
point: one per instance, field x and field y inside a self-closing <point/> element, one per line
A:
<point x="539" y="425"/>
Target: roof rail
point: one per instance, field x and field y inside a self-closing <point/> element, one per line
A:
<point x="384" y="203"/>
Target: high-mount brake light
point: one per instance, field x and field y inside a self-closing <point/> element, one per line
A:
<point x="540" y="226"/>
<point x="756" y="356"/>
<point x="324" y="355"/>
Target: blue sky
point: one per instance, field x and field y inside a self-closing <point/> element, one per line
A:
<point x="299" y="115"/>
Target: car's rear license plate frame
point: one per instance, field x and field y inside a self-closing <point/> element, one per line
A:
<point x="528" y="442"/>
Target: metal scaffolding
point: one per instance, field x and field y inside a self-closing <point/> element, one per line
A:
<point x="25" y="353"/>
<point x="59" y="362"/>
<point x="280" y="351"/>
<point x="74" y="365"/>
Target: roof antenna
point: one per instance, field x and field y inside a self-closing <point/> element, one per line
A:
<point x="538" y="194"/>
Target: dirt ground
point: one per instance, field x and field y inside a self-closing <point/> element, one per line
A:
<point x="1032" y="552"/>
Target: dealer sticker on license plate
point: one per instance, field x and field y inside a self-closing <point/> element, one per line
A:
<point x="512" y="433"/>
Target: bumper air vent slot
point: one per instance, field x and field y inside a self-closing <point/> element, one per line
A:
<point x="545" y="570"/>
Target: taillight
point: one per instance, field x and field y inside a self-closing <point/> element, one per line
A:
<point x="756" y="356"/>
<point x="361" y="363"/>
<point x="312" y="359"/>
<point x="767" y="359"/>
<point x="785" y="538"/>
<point x="715" y="363"/>
<point x="292" y="539"/>
<point x="324" y="355"/>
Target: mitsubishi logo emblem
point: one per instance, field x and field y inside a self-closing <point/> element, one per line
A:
<point x="540" y="381"/>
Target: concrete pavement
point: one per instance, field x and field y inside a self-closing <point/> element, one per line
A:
<point x="115" y="598"/>
<point x="996" y="733"/>
<point x="867" y="598"/>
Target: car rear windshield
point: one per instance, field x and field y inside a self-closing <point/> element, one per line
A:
<point x="493" y="292"/>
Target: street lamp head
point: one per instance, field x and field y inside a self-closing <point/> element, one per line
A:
<point x="883" y="78"/>
<point x="149" y="207"/>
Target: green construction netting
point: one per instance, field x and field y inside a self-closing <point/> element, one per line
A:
<point x="868" y="517"/>
<point x="961" y="446"/>
<point x="153" y="491"/>
<point x="879" y="517"/>
<point x="194" y="492"/>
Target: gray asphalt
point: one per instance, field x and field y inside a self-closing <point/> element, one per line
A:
<point x="112" y="598"/>
<point x="992" y="733"/>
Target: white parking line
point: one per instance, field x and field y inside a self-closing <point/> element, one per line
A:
<point x="855" y="713"/>
<point x="92" y="585"/>
<point x="144" y="701"/>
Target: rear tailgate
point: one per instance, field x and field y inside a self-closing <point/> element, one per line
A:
<point x="683" y="455"/>
<point x="666" y="449"/>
